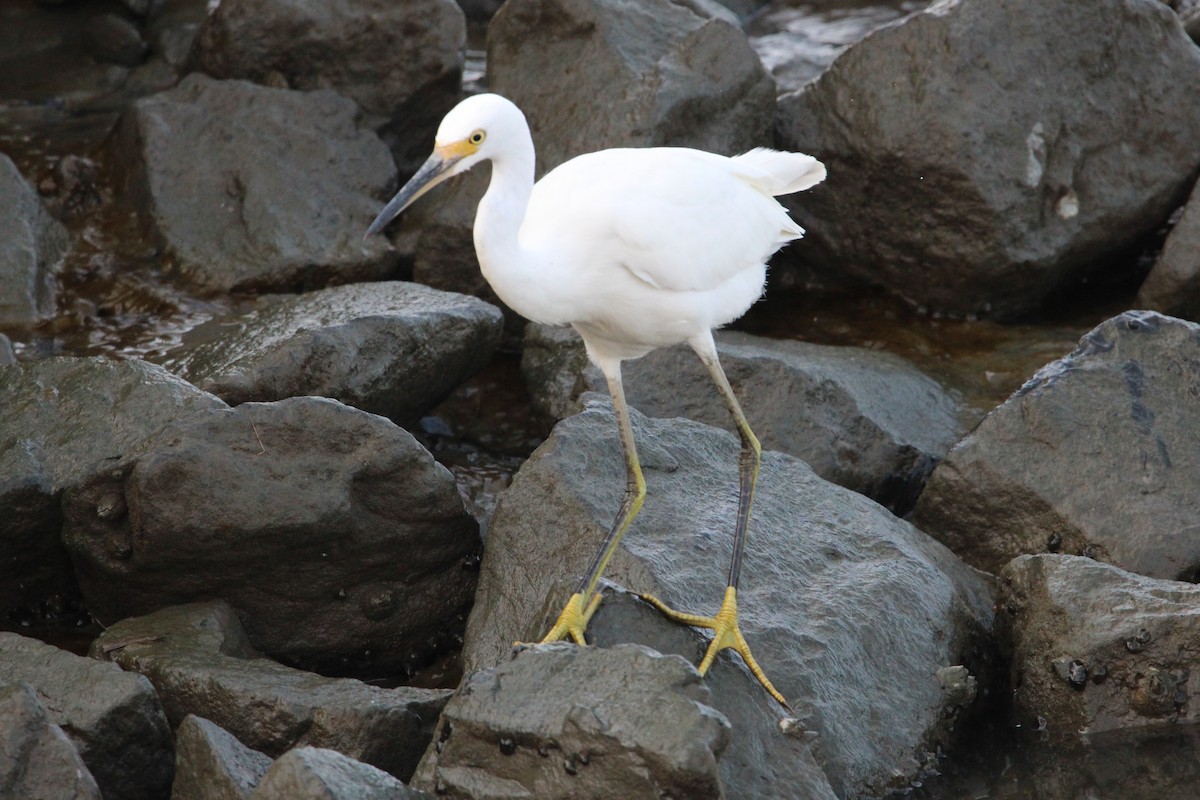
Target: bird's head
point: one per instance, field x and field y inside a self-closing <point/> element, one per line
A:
<point x="475" y="130"/>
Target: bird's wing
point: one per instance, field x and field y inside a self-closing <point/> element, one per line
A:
<point x="678" y="219"/>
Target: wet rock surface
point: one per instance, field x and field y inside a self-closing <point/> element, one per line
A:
<point x="320" y="774"/>
<point x="1096" y="455"/>
<point x="200" y="662"/>
<point x="865" y="420"/>
<point x="113" y="718"/>
<point x="953" y="115"/>
<point x="61" y="421"/>
<point x="1173" y="285"/>
<point x="390" y="348"/>
<point x="1096" y="648"/>
<point x="333" y="532"/>
<point x="403" y="68"/>
<point x="288" y="181"/>
<point x="211" y="764"/>
<point x="38" y="761"/>
<point x="32" y="245"/>
<point x="830" y="623"/>
<point x="572" y="722"/>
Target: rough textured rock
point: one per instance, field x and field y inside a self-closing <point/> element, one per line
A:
<point x="401" y="62"/>
<point x="967" y="182"/>
<point x="394" y="349"/>
<point x="32" y="245"/>
<point x="310" y="773"/>
<point x="200" y="661"/>
<point x="287" y="181"/>
<point x="1173" y="285"/>
<point x="560" y="721"/>
<point x="832" y="623"/>
<point x="211" y="764"/>
<point x="333" y="532"/>
<point x="8" y="356"/>
<point x="111" y="38"/>
<point x="1098" y="454"/>
<point x="863" y="419"/>
<point x="114" y="718"/>
<point x="656" y="74"/>
<point x="38" y="761"/>
<point x="1096" y="648"/>
<point x="62" y="420"/>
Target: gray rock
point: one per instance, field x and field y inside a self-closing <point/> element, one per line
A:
<point x="394" y="349"/>
<point x="200" y="661"/>
<point x="338" y="538"/>
<point x="656" y="74"/>
<point x="954" y="159"/>
<point x="1096" y="648"/>
<point x="311" y="773"/>
<point x="1173" y="285"/>
<point x="32" y="245"/>
<point x="62" y="420"/>
<point x="8" y="356"/>
<point x="38" y="761"/>
<point x="863" y="419"/>
<point x="113" y="718"/>
<point x="401" y="62"/>
<point x="1098" y="454"/>
<point x="211" y="764"/>
<point x="252" y="188"/>
<point x="113" y="39"/>
<point x="832" y="627"/>
<point x="559" y="721"/>
<point x="171" y="30"/>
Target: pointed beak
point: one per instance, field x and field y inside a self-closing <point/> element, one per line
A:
<point x="436" y="169"/>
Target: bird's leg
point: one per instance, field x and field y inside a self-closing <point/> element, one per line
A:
<point x="726" y="633"/>
<point x="579" y="609"/>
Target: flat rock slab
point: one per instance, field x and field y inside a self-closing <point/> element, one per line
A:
<point x="1096" y="648"/>
<point x="863" y="419"/>
<point x="252" y="188"/>
<point x="834" y="621"/>
<point x="113" y="718"/>
<point x="400" y="60"/>
<point x="1098" y="455"/>
<point x="312" y="773"/>
<point x="1173" y="285"/>
<point x="62" y="420"/>
<point x="38" y="761"/>
<point x="32" y="245"/>
<point x="965" y="180"/>
<point x="200" y="661"/>
<point x="390" y="348"/>
<point x="560" y="721"/>
<point x="211" y="764"/>
<point x="338" y="538"/>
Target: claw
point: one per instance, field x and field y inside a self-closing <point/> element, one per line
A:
<point x="726" y="635"/>
<point x="573" y="620"/>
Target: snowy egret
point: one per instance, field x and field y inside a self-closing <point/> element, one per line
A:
<point x="636" y="249"/>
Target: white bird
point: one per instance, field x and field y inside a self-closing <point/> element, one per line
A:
<point x="636" y="249"/>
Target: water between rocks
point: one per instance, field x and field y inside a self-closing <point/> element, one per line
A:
<point x="113" y="301"/>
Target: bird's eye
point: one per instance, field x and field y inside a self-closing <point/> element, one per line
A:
<point x="477" y="137"/>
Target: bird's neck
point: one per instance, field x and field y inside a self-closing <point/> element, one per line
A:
<point x="509" y="270"/>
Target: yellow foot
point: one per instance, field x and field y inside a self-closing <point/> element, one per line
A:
<point x="726" y="634"/>
<point x="574" y="619"/>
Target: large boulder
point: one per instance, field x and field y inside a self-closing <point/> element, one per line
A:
<point x="62" y="420"/>
<point x="863" y="419"/>
<point x="971" y="168"/>
<point x="656" y="74"/>
<point x="1173" y="285"/>
<point x="390" y="348"/>
<point x="37" y="760"/>
<point x="113" y="718"/>
<point x="1096" y="648"/>
<point x="252" y="188"/>
<point x="400" y="61"/>
<point x="200" y="662"/>
<point x="32" y="246"/>
<point x="338" y="538"/>
<point x="1098" y="454"/>
<point x="834" y="623"/>
<point x="211" y="764"/>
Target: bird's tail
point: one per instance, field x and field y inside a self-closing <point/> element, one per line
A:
<point x="778" y="172"/>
